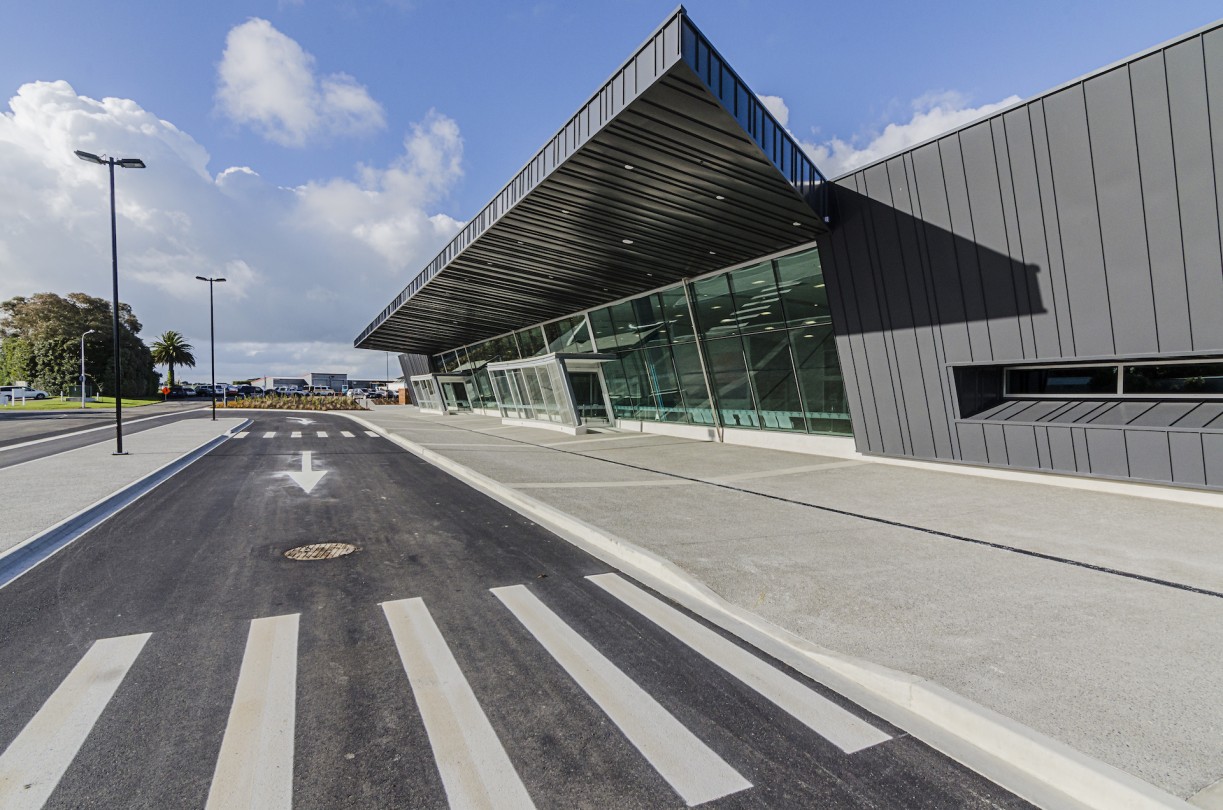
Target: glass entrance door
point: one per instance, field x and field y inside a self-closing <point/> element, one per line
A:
<point x="588" y="397"/>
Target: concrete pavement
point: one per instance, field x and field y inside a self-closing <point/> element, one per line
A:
<point x="1092" y="618"/>
<point x="43" y="492"/>
<point x="1088" y="617"/>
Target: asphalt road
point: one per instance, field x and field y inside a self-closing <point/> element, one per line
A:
<point x="461" y="652"/>
<point x="36" y="434"/>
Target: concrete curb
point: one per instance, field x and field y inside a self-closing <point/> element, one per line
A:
<point x="28" y="554"/>
<point x="1038" y="768"/>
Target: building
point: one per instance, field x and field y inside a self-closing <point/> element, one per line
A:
<point x="336" y="382"/>
<point x="1041" y="289"/>
<point x="272" y="383"/>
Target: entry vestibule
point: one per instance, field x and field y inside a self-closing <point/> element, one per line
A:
<point x="559" y="391"/>
<point x="441" y="393"/>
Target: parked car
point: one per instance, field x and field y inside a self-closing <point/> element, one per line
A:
<point x="21" y="392"/>
<point x="250" y="391"/>
<point x="321" y="391"/>
<point x="179" y="392"/>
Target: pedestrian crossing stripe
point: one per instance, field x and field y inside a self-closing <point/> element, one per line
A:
<point x="297" y="434"/>
<point x="254" y="766"/>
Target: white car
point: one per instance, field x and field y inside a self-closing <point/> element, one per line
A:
<point x="21" y="392"/>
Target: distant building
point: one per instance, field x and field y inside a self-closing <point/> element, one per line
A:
<point x="275" y="382"/>
<point x="336" y="382"/>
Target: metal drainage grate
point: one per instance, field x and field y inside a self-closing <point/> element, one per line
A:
<point x="320" y="551"/>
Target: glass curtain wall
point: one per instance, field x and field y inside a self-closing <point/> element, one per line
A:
<point x="765" y="331"/>
<point x="767" y="338"/>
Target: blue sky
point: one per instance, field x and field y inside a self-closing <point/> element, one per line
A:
<point x="410" y="115"/>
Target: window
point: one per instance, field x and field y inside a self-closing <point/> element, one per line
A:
<point x="1178" y="379"/>
<point x="1064" y="381"/>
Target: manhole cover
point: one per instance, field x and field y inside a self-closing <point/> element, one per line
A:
<point x="320" y="551"/>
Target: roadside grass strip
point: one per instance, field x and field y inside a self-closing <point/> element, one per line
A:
<point x="475" y="769"/>
<point x="693" y="770"/>
<point x="33" y="764"/>
<point x="841" y="728"/>
<point x="255" y="766"/>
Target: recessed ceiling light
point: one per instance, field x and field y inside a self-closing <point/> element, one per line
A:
<point x="717" y="306"/>
<point x="713" y="253"/>
<point x="796" y="224"/>
<point x="808" y="323"/>
<point x="758" y="281"/>
<point x="719" y="197"/>
<point x="768" y="328"/>
<point x="808" y="335"/>
<point x="628" y="166"/>
<point x="627" y="241"/>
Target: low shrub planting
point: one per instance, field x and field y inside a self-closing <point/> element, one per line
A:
<point x="281" y="403"/>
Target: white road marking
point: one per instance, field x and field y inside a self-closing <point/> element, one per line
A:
<point x="297" y="434"/>
<point x="322" y="434"/>
<point x="126" y="422"/>
<point x="307" y="479"/>
<point x="255" y="767"/>
<point x="271" y="434"/>
<point x="692" y="769"/>
<point x="841" y="728"/>
<point x="658" y="482"/>
<point x="832" y="465"/>
<point x="346" y="434"/>
<point x="475" y="769"/>
<point x="242" y="434"/>
<point x="299" y="420"/>
<point x="33" y="764"/>
<point x="371" y="433"/>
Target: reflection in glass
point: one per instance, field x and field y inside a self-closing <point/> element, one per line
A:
<point x="673" y="304"/>
<point x="755" y="294"/>
<point x="819" y="379"/>
<point x="1177" y="378"/>
<point x="772" y="371"/>
<point x="715" y="310"/>
<point x="801" y="284"/>
<point x="728" y="374"/>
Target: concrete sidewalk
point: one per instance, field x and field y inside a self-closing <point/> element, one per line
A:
<point x="1093" y="618"/>
<point x="44" y="492"/>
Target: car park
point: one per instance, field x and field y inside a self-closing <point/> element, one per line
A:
<point x="16" y="392"/>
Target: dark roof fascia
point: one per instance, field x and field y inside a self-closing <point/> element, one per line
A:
<point x="1197" y="32"/>
<point x="680" y="40"/>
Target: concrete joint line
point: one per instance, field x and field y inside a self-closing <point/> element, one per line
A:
<point x="95" y="429"/>
<point x="28" y="554"/>
<point x="1037" y="767"/>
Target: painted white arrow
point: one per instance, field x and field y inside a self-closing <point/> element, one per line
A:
<point x="307" y="479"/>
<point x="299" y="420"/>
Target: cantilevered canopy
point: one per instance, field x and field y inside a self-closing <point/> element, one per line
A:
<point x="672" y="170"/>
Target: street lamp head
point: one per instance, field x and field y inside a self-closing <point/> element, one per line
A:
<point x="90" y="157"/>
<point x="201" y="278"/>
<point x="218" y="280"/>
<point x="90" y="332"/>
<point x="130" y="163"/>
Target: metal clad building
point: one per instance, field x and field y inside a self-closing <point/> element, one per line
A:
<point x="1041" y="289"/>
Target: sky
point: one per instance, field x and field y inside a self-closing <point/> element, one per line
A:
<point x="318" y="153"/>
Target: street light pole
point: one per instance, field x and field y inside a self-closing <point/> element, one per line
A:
<point x="123" y="163"/>
<point x="90" y="332"/>
<point x="212" y="341"/>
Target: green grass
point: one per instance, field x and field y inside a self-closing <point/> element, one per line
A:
<point x="56" y="404"/>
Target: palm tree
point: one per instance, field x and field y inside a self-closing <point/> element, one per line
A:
<point x="171" y="349"/>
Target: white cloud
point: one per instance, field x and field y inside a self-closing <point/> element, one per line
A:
<point x="933" y="115"/>
<point x="777" y="106"/>
<point x="266" y="80"/>
<point x="305" y="267"/>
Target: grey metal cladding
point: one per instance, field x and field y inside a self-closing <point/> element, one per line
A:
<point x="1033" y="248"/>
<point x="977" y="150"/>
<point x="1080" y="225"/>
<point x="1114" y="150"/>
<point x="1160" y="206"/>
<point x="1078" y="215"/>
<point x="1196" y="184"/>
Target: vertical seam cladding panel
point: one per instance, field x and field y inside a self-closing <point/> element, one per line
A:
<point x="944" y="428"/>
<point x="885" y="265"/>
<point x="1053" y="227"/>
<point x="1161" y="207"/>
<point x="1070" y="152"/>
<point x="1186" y="73"/>
<point x="964" y="243"/>
<point x="1114" y="148"/>
<point x="1033" y="248"/>
<point x="1020" y="282"/>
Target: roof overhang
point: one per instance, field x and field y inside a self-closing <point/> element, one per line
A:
<point x="674" y="169"/>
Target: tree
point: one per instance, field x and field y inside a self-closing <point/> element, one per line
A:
<point x="172" y="349"/>
<point x="39" y="340"/>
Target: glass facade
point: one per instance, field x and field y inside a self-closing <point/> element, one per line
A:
<point x="761" y="344"/>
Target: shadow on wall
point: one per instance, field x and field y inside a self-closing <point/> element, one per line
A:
<point x="890" y="270"/>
